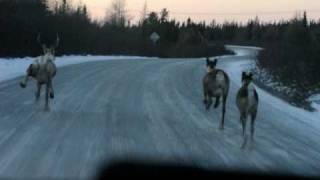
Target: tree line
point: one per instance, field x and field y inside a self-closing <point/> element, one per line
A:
<point x="291" y="55"/>
<point x="22" y="20"/>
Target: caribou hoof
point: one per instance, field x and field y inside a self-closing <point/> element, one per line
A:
<point x="204" y="102"/>
<point x="52" y="95"/>
<point x="23" y="85"/>
<point x="216" y="106"/>
<point x="221" y="128"/>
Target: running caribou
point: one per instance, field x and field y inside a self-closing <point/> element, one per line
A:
<point x="215" y="85"/>
<point x="43" y="70"/>
<point x="247" y="102"/>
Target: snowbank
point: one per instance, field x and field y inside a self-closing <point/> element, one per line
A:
<point x="315" y="100"/>
<point x="14" y="67"/>
<point x="237" y="67"/>
<point x="267" y="78"/>
<point x="244" y="50"/>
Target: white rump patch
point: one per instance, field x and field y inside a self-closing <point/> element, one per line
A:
<point x="220" y="78"/>
<point x="209" y="70"/>
<point x="251" y="90"/>
<point x="219" y="84"/>
<point x="40" y="60"/>
<point x="251" y="97"/>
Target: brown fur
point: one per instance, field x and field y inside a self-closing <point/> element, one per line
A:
<point x="43" y="70"/>
<point x="247" y="102"/>
<point x="215" y="85"/>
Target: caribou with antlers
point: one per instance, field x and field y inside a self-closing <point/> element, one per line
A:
<point x="43" y="70"/>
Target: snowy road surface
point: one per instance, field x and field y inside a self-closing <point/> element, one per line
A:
<point x="146" y="109"/>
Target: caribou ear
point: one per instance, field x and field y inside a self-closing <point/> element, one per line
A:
<point x="244" y="74"/>
<point x="208" y="61"/>
<point x="43" y="46"/>
<point x="215" y="62"/>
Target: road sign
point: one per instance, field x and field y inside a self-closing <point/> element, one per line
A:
<point x="154" y="37"/>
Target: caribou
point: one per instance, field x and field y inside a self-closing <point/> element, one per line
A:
<point x="215" y="85"/>
<point x="43" y="70"/>
<point x="247" y="102"/>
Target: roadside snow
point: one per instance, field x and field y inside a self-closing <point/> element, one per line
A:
<point x="311" y="117"/>
<point x="315" y="99"/>
<point x="14" y="67"/>
<point x="265" y="77"/>
<point x="268" y="80"/>
<point x="244" y="50"/>
<point x="236" y="68"/>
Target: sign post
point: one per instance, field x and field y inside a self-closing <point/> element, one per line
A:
<point x="154" y="37"/>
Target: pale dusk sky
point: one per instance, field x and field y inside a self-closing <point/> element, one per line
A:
<point x="220" y="10"/>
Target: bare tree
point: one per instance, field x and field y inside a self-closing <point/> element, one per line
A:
<point x="144" y="13"/>
<point x="164" y="15"/>
<point x="116" y="14"/>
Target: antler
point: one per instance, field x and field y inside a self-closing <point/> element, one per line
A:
<point x="39" y="41"/>
<point x="39" y="38"/>
<point x="57" y="41"/>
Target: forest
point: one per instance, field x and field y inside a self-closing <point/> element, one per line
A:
<point x="291" y="47"/>
<point x="23" y="20"/>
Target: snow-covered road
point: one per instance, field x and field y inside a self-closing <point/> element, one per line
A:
<point x="151" y="110"/>
<point x="14" y="67"/>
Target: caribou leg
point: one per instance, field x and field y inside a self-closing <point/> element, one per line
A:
<point x="24" y="82"/>
<point x="205" y="96"/>
<point x="243" y="119"/>
<point x="209" y="103"/>
<point x="253" y="118"/>
<point x="216" y="105"/>
<point x="51" y="90"/>
<point x="223" y="112"/>
<point x="38" y="91"/>
<point x="47" y="98"/>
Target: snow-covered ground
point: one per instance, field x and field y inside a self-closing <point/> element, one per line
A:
<point x="244" y="50"/>
<point x="315" y="99"/>
<point x="236" y="68"/>
<point x="169" y="123"/>
<point x="266" y="78"/>
<point x="14" y="67"/>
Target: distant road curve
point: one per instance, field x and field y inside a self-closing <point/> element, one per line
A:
<point x="143" y="109"/>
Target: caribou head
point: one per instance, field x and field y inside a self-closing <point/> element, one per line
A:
<point x="211" y="65"/>
<point x="48" y="51"/>
<point x="246" y="78"/>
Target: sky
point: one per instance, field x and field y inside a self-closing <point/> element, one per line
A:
<point x="207" y="10"/>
